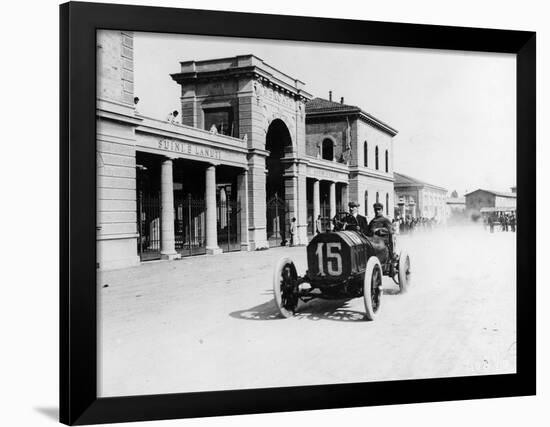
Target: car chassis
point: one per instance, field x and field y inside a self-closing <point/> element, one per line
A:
<point x="342" y="264"/>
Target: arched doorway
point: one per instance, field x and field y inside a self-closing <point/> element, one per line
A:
<point x="278" y="142"/>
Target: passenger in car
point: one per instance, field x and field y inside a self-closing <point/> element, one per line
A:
<point x="355" y="221"/>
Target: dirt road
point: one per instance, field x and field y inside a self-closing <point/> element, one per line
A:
<point x="210" y="323"/>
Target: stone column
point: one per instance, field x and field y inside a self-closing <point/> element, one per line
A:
<point x="210" y="197"/>
<point x="302" y="204"/>
<point x="167" y="238"/>
<point x="332" y="202"/>
<point x="291" y="198"/>
<point x="256" y="202"/>
<point x="316" y="202"/>
<point x="242" y="197"/>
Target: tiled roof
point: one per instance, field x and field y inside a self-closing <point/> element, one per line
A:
<point x="321" y="106"/>
<point x="318" y="105"/>
<point x="401" y="179"/>
<point x="496" y="193"/>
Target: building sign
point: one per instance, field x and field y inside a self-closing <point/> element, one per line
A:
<point x="326" y="174"/>
<point x="190" y="149"/>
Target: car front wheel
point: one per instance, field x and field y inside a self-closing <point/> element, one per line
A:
<point x="372" y="288"/>
<point x="285" y="287"/>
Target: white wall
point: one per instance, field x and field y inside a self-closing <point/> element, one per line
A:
<point x="30" y="275"/>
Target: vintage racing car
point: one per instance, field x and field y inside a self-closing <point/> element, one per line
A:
<point x="342" y="264"/>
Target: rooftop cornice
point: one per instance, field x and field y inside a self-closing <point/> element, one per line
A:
<point x="114" y="110"/>
<point x="255" y="68"/>
<point x="354" y="112"/>
<point x="360" y="170"/>
<point x="377" y="123"/>
<point x="326" y="164"/>
<point x="188" y="133"/>
<point x="419" y="185"/>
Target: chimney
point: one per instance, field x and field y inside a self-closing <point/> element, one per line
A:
<point x="330" y="95"/>
<point x="341" y="100"/>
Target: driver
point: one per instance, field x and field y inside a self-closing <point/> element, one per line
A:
<point x="379" y="221"/>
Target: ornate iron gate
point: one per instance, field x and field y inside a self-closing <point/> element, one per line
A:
<point x="326" y="220"/>
<point x="148" y="225"/>
<point x="229" y="225"/>
<point x="277" y="221"/>
<point x="190" y="226"/>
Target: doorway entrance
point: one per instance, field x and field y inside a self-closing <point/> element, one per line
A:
<point x="278" y="143"/>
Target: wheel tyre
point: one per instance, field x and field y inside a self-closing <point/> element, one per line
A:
<point x="404" y="271"/>
<point x="285" y="293"/>
<point x="372" y="288"/>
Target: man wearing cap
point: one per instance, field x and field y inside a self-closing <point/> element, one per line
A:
<point x="379" y="220"/>
<point x="354" y="221"/>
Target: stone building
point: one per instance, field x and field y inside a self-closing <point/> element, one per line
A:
<point x="500" y="201"/>
<point x="350" y="155"/>
<point x="238" y="167"/>
<point x="419" y="199"/>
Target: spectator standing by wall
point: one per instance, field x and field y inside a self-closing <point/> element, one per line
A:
<point x="513" y="222"/>
<point x="136" y="102"/>
<point x="292" y="231"/>
<point x="318" y="226"/>
<point x="173" y="117"/>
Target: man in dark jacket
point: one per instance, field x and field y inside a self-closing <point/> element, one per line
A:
<point x="354" y="221"/>
<point x="379" y="221"/>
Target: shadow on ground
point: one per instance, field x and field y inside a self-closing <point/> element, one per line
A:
<point x="314" y="310"/>
<point x="391" y="291"/>
<point x="50" y="412"/>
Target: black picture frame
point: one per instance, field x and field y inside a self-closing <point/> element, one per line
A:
<point x="79" y="403"/>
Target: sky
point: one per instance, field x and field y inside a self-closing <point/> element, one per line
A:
<point x="454" y="110"/>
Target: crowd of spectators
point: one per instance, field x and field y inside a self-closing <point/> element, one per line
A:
<point x="409" y="224"/>
<point x="502" y="221"/>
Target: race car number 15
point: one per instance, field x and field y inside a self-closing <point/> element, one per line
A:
<point x="333" y="258"/>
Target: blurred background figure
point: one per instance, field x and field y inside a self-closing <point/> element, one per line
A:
<point x="318" y="226"/>
<point x="292" y="231"/>
<point x="173" y="117"/>
<point x="136" y="102"/>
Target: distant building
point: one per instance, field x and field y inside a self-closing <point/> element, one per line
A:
<point x="456" y="204"/>
<point x="514" y="189"/>
<point x="455" y="207"/>
<point x="498" y="201"/>
<point x="418" y="198"/>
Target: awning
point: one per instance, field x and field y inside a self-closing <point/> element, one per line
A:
<point x="498" y="209"/>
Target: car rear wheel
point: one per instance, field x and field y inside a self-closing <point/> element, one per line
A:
<point x="372" y="288"/>
<point x="404" y="271"/>
<point x="285" y="287"/>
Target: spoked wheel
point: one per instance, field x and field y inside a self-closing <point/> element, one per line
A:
<point x="404" y="271"/>
<point x="372" y="287"/>
<point x="285" y="287"/>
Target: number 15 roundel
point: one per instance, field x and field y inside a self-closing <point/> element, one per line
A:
<point x="329" y="258"/>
